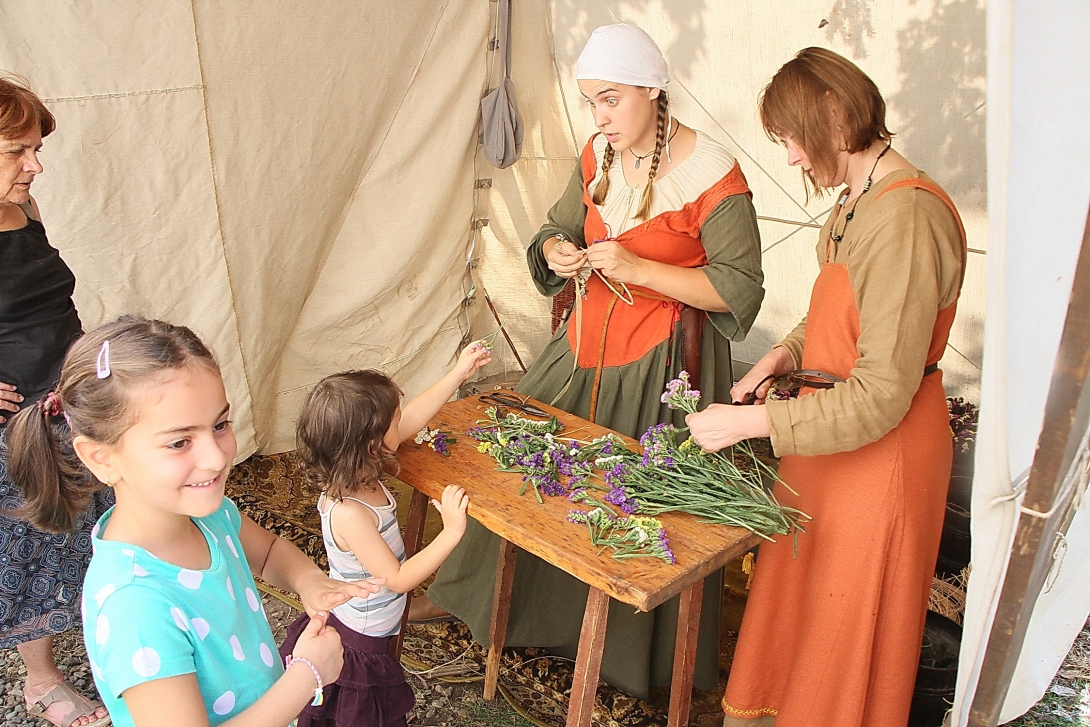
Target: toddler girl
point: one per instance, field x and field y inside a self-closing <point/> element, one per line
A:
<point x="171" y="616"/>
<point x="348" y="434"/>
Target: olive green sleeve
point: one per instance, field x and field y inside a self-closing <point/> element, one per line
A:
<point x="902" y="268"/>
<point x="732" y="243"/>
<point x="565" y="218"/>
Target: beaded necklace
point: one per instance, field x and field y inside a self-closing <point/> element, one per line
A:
<point x="866" y="188"/>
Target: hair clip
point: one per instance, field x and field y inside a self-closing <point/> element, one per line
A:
<point x="102" y="365"/>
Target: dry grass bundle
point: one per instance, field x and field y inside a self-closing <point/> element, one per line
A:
<point x="948" y="595"/>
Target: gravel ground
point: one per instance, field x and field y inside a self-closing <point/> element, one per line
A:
<point x="1067" y="703"/>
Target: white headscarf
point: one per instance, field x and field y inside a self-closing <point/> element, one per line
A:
<point x="624" y="53"/>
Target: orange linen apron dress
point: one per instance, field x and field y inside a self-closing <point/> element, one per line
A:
<point x="831" y="638"/>
<point x="610" y="332"/>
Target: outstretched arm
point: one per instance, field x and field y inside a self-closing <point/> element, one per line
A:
<point x="282" y="564"/>
<point x="420" y="410"/>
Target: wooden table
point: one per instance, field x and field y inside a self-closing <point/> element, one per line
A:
<point x="542" y="529"/>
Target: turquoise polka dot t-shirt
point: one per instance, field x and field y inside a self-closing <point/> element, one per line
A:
<point x="146" y="619"/>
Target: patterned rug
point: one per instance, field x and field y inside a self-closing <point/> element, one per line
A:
<point x="271" y="490"/>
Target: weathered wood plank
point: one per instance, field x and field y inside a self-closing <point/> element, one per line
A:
<point x="542" y="529"/>
<point x="588" y="661"/>
<point x="688" y="627"/>
<point x="414" y="538"/>
<point x="501" y="607"/>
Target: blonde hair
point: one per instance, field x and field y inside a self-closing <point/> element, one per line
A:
<point x="817" y="95"/>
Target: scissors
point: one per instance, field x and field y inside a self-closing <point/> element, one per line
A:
<point x="512" y="402"/>
<point x="751" y="397"/>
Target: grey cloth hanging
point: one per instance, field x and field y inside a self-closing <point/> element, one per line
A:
<point x="500" y="120"/>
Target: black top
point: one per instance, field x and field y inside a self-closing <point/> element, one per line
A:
<point x="38" y="320"/>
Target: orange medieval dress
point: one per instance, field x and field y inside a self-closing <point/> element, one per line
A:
<point x="831" y="636"/>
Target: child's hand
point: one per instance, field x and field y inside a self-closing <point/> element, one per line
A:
<point x="473" y="356"/>
<point x="321" y="646"/>
<point x="453" y="509"/>
<point x="322" y="593"/>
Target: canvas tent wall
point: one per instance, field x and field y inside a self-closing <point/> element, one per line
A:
<point x="299" y="182"/>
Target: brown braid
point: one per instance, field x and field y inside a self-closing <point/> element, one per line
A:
<point x="602" y="188"/>
<point x="644" y="211"/>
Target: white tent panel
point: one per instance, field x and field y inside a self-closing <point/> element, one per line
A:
<point x="1038" y="77"/>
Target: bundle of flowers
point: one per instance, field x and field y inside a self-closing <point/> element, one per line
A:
<point x="437" y="439"/>
<point x="628" y="536"/>
<point x="963" y="421"/>
<point x="626" y="488"/>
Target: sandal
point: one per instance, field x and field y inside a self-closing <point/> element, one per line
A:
<point x="81" y="707"/>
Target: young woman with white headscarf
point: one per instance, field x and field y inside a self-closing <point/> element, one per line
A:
<point x="657" y="220"/>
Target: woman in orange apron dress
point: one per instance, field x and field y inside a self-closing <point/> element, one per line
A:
<point x="831" y="634"/>
<point x="657" y="222"/>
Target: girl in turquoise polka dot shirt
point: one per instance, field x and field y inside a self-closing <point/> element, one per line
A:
<point x="174" y="627"/>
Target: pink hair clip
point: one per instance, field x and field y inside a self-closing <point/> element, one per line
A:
<point x="102" y="365"/>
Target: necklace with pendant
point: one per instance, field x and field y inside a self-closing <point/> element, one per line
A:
<point x="641" y="158"/>
<point x="866" y="188"/>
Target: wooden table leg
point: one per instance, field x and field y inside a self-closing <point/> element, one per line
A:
<point x="588" y="661"/>
<point x="688" y="629"/>
<point x="414" y="538"/>
<point x="501" y="608"/>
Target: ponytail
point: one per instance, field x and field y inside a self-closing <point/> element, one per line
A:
<point x="56" y="488"/>
<point x="92" y="399"/>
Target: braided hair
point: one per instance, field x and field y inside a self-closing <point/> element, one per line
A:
<point x="601" y="190"/>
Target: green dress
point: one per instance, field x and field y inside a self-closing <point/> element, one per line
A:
<point x="547" y="604"/>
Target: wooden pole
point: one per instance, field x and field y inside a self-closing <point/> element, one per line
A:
<point x="1045" y="510"/>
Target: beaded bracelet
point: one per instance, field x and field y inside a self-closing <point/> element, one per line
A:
<point x="319" y="695"/>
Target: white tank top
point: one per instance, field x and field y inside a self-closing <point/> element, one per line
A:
<point x="378" y="615"/>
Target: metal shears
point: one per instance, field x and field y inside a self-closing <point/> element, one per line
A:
<point x="509" y="401"/>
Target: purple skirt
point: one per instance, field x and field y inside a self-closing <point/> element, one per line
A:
<point x="371" y="689"/>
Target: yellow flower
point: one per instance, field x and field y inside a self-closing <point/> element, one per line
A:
<point x="483" y="447"/>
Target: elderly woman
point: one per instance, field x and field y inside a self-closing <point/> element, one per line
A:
<point x="41" y="573"/>
<point x="657" y="220"/>
<point x="831" y="634"/>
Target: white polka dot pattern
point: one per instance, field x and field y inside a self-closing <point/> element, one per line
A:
<point x="190" y="578"/>
<point x="266" y="655"/>
<point x="179" y="618"/>
<point x="200" y="626"/>
<point x="231" y="545"/>
<point x="146" y="662"/>
<point x="138" y="571"/>
<point x="104" y="593"/>
<point x="251" y="598"/>
<point x="230" y="588"/>
<point x="102" y="630"/>
<point x="224" y="703"/>
<point x="236" y="649"/>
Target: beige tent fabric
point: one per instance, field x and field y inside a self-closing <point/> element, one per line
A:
<point x="296" y="182"/>
<point x="928" y="59"/>
<point x="293" y="183"/>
